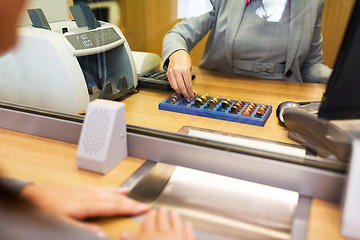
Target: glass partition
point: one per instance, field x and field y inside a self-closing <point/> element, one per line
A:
<point x="143" y="24"/>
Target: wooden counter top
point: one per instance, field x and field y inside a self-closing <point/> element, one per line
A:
<point x="142" y="108"/>
<point x="49" y="162"/>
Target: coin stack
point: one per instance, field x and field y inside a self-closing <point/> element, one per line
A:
<point x="237" y="106"/>
<point x="213" y="102"/>
<point x="249" y="109"/>
<point x="201" y="100"/>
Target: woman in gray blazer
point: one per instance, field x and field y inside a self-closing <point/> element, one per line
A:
<point x="259" y="38"/>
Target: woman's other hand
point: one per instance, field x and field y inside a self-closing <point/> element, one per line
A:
<point x="163" y="225"/>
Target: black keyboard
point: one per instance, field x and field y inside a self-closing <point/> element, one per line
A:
<point x="158" y="77"/>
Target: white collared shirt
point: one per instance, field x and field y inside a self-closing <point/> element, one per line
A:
<point x="271" y="10"/>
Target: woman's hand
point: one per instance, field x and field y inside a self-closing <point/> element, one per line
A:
<point x="179" y="74"/>
<point x="72" y="204"/>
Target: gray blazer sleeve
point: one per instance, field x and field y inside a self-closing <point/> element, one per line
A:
<point x="186" y="34"/>
<point x="313" y="69"/>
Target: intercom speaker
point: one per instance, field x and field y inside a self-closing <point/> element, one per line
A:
<point x="103" y="142"/>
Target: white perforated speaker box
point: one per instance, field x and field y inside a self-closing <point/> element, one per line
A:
<point x="350" y="226"/>
<point x="103" y="142"/>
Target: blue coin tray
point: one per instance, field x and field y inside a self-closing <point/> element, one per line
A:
<point x="217" y="112"/>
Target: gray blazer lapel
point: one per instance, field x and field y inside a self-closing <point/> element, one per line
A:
<point x="237" y="8"/>
<point x="297" y="16"/>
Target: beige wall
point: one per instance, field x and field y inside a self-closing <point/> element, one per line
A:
<point x="70" y="3"/>
<point x="145" y="22"/>
<point x="335" y="18"/>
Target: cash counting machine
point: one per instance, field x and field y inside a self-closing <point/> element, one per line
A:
<point x="63" y="65"/>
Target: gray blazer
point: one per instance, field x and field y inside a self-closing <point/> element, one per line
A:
<point x="304" y="55"/>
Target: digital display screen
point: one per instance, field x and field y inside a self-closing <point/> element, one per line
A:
<point x="86" y="43"/>
<point x="93" y="39"/>
<point x="84" y="39"/>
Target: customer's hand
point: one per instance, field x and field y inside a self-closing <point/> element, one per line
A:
<point x="179" y="74"/>
<point x="72" y="204"/>
<point x="163" y="225"/>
